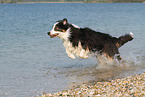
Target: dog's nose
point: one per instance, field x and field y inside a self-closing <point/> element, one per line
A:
<point x="48" y="33"/>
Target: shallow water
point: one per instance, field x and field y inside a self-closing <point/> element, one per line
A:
<point x="31" y="62"/>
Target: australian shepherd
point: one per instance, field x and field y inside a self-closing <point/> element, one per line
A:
<point x="82" y="42"/>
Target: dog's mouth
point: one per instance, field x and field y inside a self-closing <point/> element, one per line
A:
<point x="54" y="35"/>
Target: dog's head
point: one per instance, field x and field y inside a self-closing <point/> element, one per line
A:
<point x="59" y="28"/>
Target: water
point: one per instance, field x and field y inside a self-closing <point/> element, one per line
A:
<point x="31" y="62"/>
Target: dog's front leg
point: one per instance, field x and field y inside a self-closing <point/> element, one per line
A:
<point x="84" y="54"/>
<point x="70" y="54"/>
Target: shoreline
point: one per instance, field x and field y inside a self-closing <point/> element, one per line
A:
<point x="65" y="2"/>
<point x="131" y="86"/>
<point x="44" y="2"/>
<point x="37" y="2"/>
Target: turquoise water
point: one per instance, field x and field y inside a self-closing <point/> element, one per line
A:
<point x="31" y="62"/>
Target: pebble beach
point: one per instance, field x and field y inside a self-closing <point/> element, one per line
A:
<point x="132" y="86"/>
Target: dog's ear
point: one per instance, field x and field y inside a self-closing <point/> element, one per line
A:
<point x="64" y="21"/>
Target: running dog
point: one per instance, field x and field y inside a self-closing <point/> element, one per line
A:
<point x="82" y="42"/>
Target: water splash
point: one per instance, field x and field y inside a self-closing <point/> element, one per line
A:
<point x="105" y="70"/>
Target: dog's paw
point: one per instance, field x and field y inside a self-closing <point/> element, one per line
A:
<point x="69" y="54"/>
<point x="72" y="56"/>
<point x="84" y="57"/>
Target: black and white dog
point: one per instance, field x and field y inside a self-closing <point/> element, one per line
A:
<point x="82" y="42"/>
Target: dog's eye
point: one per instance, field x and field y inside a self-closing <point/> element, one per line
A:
<point x="58" y="29"/>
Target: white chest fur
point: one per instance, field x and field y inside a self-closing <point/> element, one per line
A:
<point x="70" y="50"/>
<point x="78" y="50"/>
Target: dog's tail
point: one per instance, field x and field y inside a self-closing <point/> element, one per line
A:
<point x="123" y="39"/>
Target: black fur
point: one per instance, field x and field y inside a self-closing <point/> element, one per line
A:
<point x="97" y="41"/>
<point x="94" y="41"/>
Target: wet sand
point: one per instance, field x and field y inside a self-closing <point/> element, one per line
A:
<point x="132" y="86"/>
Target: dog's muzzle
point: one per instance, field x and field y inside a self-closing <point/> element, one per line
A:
<point x="54" y="35"/>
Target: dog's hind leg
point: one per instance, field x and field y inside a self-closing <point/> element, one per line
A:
<point x="111" y="52"/>
<point x="123" y="39"/>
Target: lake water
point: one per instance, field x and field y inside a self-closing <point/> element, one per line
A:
<point x="31" y="62"/>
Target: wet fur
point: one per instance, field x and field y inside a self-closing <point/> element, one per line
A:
<point x="84" y="41"/>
